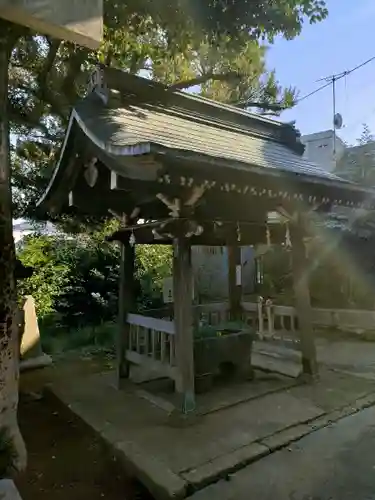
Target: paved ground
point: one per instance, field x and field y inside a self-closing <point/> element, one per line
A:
<point x="170" y="460"/>
<point x="334" y="463"/>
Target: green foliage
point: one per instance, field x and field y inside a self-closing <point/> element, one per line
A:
<point x="358" y="163"/>
<point x="7" y="453"/>
<point x="366" y="135"/>
<point x="277" y="274"/>
<point x="336" y="280"/>
<point x="153" y="264"/>
<point x="76" y="278"/>
<point x="98" y="337"/>
<point x="50" y="275"/>
<point x="254" y="88"/>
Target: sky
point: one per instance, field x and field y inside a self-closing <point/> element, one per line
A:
<point x="341" y="42"/>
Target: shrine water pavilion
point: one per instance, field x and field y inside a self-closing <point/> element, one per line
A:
<point x="180" y="169"/>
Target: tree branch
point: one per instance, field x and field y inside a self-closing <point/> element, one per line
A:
<point x="17" y="117"/>
<point x="76" y="59"/>
<point x="50" y="59"/>
<point x="199" y="80"/>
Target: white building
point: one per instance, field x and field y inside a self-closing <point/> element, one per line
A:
<point x="319" y="149"/>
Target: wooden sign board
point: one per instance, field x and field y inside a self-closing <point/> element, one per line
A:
<point x="168" y="290"/>
<point x="77" y="21"/>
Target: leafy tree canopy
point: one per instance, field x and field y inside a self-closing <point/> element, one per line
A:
<point x="358" y="162"/>
<point x="366" y="136"/>
<point x="78" y="278"/>
<point x="212" y="43"/>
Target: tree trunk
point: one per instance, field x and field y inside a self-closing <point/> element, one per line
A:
<point x="9" y="345"/>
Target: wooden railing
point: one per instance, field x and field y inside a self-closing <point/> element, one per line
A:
<point x="152" y="344"/>
<point x="272" y="322"/>
<point x="152" y="337"/>
<point x="283" y="319"/>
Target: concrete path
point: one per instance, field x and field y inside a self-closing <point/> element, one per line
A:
<point x="334" y="463"/>
<point x="171" y="461"/>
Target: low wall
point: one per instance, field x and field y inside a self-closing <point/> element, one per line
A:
<point x="344" y="319"/>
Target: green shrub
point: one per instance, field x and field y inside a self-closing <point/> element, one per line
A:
<point x="102" y="336"/>
<point x="7" y="453"/>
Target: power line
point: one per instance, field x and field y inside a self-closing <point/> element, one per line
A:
<point x="360" y="66"/>
<point x="313" y="92"/>
<point x="328" y="79"/>
<point x="338" y="76"/>
<point x="331" y="80"/>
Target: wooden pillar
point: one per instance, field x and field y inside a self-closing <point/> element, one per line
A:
<point x="183" y="319"/>
<point x="302" y="300"/>
<point x="234" y="281"/>
<point x="126" y="305"/>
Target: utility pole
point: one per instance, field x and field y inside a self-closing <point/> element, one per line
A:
<point x="332" y="79"/>
<point x="334" y="114"/>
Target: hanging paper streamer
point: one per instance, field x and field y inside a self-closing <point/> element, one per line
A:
<point x="238" y="232"/>
<point x="268" y="235"/>
<point x="132" y="239"/>
<point x="238" y="275"/>
<point x="288" y="241"/>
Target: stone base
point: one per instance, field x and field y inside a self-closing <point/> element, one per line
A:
<point x="141" y="374"/>
<point x="178" y="419"/>
<point x="308" y="378"/>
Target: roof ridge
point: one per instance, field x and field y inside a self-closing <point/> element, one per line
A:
<point x="230" y="107"/>
<point x="207" y="100"/>
<point x="207" y="119"/>
<point x="281" y="132"/>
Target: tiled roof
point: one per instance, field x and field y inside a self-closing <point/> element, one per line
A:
<point x="128" y="123"/>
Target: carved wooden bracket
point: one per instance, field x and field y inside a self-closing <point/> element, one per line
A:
<point x="182" y="211"/>
<point x="181" y="207"/>
<point x="173" y="205"/>
<point x="174" y="228"/>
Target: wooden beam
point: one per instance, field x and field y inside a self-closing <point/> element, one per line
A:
<point x="183" y="314"/>
<point x="126" y="305"/>
<point x="212" y="235"/>
<point x="234" y="280"/>
<point x="302" y="300"/>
